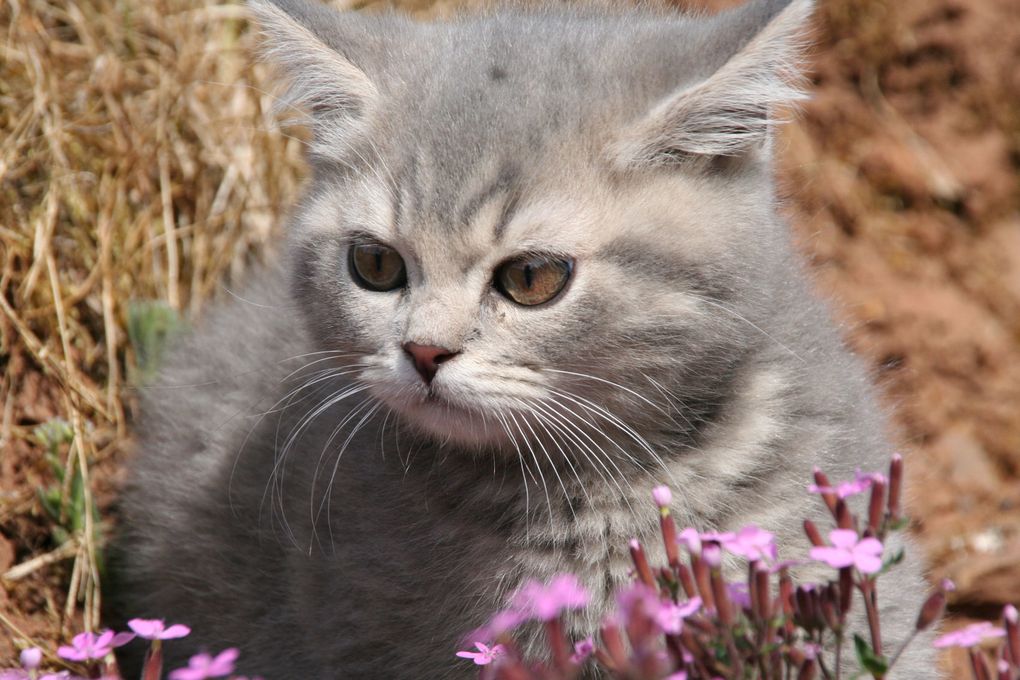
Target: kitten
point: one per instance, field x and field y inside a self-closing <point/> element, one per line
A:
<point x="537" y="271"/>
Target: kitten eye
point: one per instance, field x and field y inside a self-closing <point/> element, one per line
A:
<point x="377" y="267"/>
<point x="533" y="279"/>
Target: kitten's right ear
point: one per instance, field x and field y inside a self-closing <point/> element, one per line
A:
<point x="300" y="38"/>
<point x="754" y="51"/>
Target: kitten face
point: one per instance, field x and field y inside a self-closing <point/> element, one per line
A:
<point x="639" y="302"/>
<point x="464" y="161"/>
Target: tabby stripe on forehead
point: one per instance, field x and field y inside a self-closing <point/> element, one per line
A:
<point x="505" y="185"/>
<point x="646" y="259"/>
<point x="407" y="186"/>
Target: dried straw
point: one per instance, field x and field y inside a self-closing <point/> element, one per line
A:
<point x="138" y="161"/>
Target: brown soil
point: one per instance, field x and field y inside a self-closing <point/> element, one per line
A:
<point x="902" y="181"/>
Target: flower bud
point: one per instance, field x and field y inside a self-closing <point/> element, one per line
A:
<point x="822" y="481"/>
<point x="683" y="574"/>
<point x="663" y="496"/>
<point x="895" y="486"/>
<point x="701" y="578"/>
<point x="846" y="590"/>
<point x="813" y="534"/>
<point x="807" y="610"/>
<point x="808" y="670"/>
<point x="722" y="599"/>
<point x="827" y="603"/>
<point x="762" y="592"/>
<point x="843" y="517"/>
<point x="978" y="665"/>
<point x="1012" y="620"/>
<point x="931" y="610"/>
<point x="31" y="658"/>
<point x="669" y="538"/>
<point x="637" y="554"/>
<point x="876" y="507"/>
<point x="612" y="642"/>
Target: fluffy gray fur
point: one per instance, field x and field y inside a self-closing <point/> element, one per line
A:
<point x="301" y="493"/>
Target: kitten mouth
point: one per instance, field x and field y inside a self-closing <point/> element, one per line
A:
<point x="450" y="419"/>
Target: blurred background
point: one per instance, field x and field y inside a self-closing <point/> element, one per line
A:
<point x="142" y="175"/>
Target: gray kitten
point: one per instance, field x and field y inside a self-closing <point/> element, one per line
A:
<point x="538" y="270"/>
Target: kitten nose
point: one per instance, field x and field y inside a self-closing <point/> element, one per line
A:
<point x="427" y="358"/>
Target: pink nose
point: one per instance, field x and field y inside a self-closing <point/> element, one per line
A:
<point x="427" y="358"/>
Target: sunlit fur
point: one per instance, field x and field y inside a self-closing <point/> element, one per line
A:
<point x="301" y="492"/>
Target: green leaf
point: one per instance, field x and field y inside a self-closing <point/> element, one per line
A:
<point x="875" y="664"/>
<point x="50" y="500"/>
<point x="152" y="324"/>
<point x="54" y="433"/>
<point x="891" y="561"/>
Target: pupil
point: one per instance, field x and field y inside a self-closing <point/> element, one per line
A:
<point x="529" y="276"/>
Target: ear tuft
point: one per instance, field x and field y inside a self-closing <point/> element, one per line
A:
<point x="734" y="109"/>
<point x="321" y="82"/>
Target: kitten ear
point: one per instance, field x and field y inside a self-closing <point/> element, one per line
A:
<point x="303" y="40"/>
<point x="731" y="110"/>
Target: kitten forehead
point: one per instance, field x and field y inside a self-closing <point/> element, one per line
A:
<point x="367" y="206"/>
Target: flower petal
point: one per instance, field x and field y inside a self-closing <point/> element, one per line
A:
<point x="843" y="538"/>
<point x="867" y="564"/>
<point x="71" y="653"/>
<point x="870" y="546"/>
<point x="834" y="557"/>
<point x="175" y="631"/>
<point x="146" y="628"/>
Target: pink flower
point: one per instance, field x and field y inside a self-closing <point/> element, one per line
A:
<point x="739" y="594"/>
<point x="537" y="601"/>
<point x="750" y="542"/>
<point x="31" y="658"/>
<point x="690" y="538"/>
<point x="156" y="629"/>
<point x="670" y="615"/>
<point x="485" y="654"/>
<point x="663" y="496"/>
<point x="203" y="666"/>
<point x="637" y="600"/>
<point x="972" y="635"/>
<point x="501" y="622"/>
<point x="87" y="646"/>
<point x="712" y="554"/>
<point x="679" y="675"/>
<point x="861" y="483"/>
<point x="849" y="550"/>
<point x="582" y="650"/>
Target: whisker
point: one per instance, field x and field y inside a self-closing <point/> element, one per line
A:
<point x="750" y="323"/>
<point x="543" y="422"/>
<point x="577" y="433"/>
<point x="596" y="378"/>
<point x="622" y="426"/>
<point x="566" y="494"/>
<point x="365" y="419"/>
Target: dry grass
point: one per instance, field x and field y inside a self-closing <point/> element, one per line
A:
<point x="138" y="162"/>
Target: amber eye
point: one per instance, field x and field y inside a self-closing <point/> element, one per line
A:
<point x="533" y="279"/>
<point x="377" y="267"/>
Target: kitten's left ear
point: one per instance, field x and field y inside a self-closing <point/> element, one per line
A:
<point x="732" y="110"/>
<point x="310" y="44"/>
